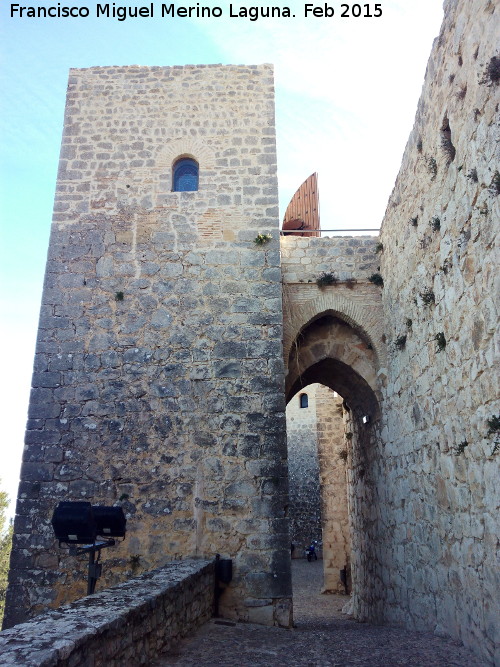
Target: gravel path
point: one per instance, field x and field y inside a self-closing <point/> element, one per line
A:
<point x="323" y="637"/>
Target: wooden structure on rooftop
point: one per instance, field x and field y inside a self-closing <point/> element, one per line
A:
<point x="302" y="213"/>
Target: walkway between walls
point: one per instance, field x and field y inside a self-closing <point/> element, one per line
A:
<point x="323" y="637"/>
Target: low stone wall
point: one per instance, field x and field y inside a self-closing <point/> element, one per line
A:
<point x="129" y="624"/>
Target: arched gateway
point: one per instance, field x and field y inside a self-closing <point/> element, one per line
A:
<point x="333" y="336"/>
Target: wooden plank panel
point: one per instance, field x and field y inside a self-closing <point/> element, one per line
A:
<point x="303" y="210"/>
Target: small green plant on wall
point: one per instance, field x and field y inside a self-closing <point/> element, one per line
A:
<point x="494" y="429"/>
<point x="440" y="341"/>
<point x="495" y="183"/>
<point x="432" y="167"/>
<point x="326" y="279"/>
<point x="400" y="342"/>
<point x="460" y="448"/>
<point x="435" y="224"/>
<point x="427" y="297"/>
<point x="262" y="239"/>
<point x="472" y="175"/>
<point x="379" y="247"/>
<point x="119" y="296"/>
<point x="492" y="73"/>
<point x="376" y="279"/>
<point x="483" y="210"/>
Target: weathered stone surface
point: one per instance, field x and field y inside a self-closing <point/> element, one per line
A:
<point x="128" y="624"/>
<point x="155" y="333"/>
<point x="423" y="503"/>
<point x="440" y="474"/>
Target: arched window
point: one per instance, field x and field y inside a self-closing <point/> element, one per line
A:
<point x="185" y="175"/>
<point x="304" y="401"/>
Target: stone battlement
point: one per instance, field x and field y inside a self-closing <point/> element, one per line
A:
<point x="348" y="257"/>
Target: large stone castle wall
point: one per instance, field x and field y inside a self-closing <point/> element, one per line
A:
<point x="440" y="267"/>
<point x="158" y="381"/>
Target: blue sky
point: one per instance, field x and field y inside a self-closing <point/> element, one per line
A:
<point x="346" y="95"/>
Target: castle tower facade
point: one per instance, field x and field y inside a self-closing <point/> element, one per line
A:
<point x="158" y="379"/>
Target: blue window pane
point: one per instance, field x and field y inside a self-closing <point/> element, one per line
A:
<point x="304" y="401"/>
<point x="185" y="175"/>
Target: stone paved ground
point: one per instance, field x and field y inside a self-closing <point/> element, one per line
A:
<point x="323" y="637"/>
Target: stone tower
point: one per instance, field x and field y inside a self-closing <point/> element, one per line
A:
<point x="159" y="354"/>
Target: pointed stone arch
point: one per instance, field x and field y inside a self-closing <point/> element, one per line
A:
<point x="305" y="303"/>
<point x="331" y="352"/>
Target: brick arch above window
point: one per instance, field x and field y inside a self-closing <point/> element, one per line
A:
<point x="188" y="147"/>
<point x="171" y="151"/>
